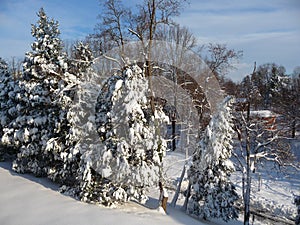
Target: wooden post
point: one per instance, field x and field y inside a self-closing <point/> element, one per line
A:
<point x="174" y="132"/>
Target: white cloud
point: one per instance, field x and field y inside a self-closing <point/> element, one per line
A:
<point x="241" y="70"/>
<point x="219" y="23"/>
<point x="267" y="31"/>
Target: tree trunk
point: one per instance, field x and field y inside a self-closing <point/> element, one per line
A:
<point x="246" y="192"/>
<point x="174" y="132"/>
<point x="247" y="198"/>
<point x="188" y="194"/>
<point x="152" y="26"/>
<point x="294" y="128"/>
<point x="173" y="203"/>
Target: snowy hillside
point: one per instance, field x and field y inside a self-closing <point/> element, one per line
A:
<point x="28" y="200"/>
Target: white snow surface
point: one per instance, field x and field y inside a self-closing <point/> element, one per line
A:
<point x="27" y="200"/>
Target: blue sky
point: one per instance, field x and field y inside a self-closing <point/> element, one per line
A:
<point x="266" y="31"/>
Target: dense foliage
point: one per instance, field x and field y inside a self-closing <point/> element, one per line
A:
<point x="129" y="156"/>
<point x="213" y="194"/>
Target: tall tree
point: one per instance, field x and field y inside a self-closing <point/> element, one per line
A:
<point x="129" y="157"/>
<point x="120" y="24"/>
<point x="66" y="145"/>
<point x="10" y="92"/>
<point x="266" y="78"/>
<point x="141" y="22"/>
<point x="152" y="14"/>
<point x="112" y="31"/>
<point x="286" y="101"/>
<point x="40" y="129"/>
<point x="213" y="195"/>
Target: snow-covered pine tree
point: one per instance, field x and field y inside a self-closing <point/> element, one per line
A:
<point x="39" y="129"/>
<point x="46" y="58"/>
<point x="9" y="92"/>
<point x="77" y="116"/>
<point x="82" y="59"/>
<point x="6" y="88"/>
<point x="129" y="156"/>
<point x="213" y="195"/>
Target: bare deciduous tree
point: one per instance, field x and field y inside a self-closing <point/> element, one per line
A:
<point x="15" y="65"/>
<point x="112" y="30"/>
<point x="220" y="59"/>
<point x="260" y="140"/>
<point x="286" y="102"/>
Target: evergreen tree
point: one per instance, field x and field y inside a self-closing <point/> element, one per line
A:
<point x="46" y="59"/>
<point x="6" y="88"/>
<point x="82" y="60"/>
<point x="128" y="158"/>
<point x="82" y="89"/>
<point x="40" y="129"/>
<point x="69" y="135"/>
<point x="213" y="195"/>
<point x="10" y="91"/>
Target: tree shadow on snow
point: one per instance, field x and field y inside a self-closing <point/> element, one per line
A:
<point x="176" y="213"/>
<point x="43" y="181"/>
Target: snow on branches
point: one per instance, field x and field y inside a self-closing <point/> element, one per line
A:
<point x="46" y="56"/>
<point x="39" y="126"/>
<point x="108" y="155"/>
<point x="213" y="195"/>
<point x="129" y="157"/>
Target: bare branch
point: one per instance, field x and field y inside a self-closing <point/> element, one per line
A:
<point x="135" y="33"/>
<point x="112" y="59"/>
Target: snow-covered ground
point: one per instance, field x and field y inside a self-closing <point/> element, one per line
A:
<point x="272" y="191"/>
<point x="28" y="200"/>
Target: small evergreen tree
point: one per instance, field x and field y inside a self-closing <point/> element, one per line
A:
<point x="213" y="195"/>
<point x="6" y="88"/>
<point x="8" y="109"/>
<point x="78" y="113"/>
<point x="129" y="156"/>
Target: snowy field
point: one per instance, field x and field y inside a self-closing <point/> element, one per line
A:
<point x="28" y="200"/>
